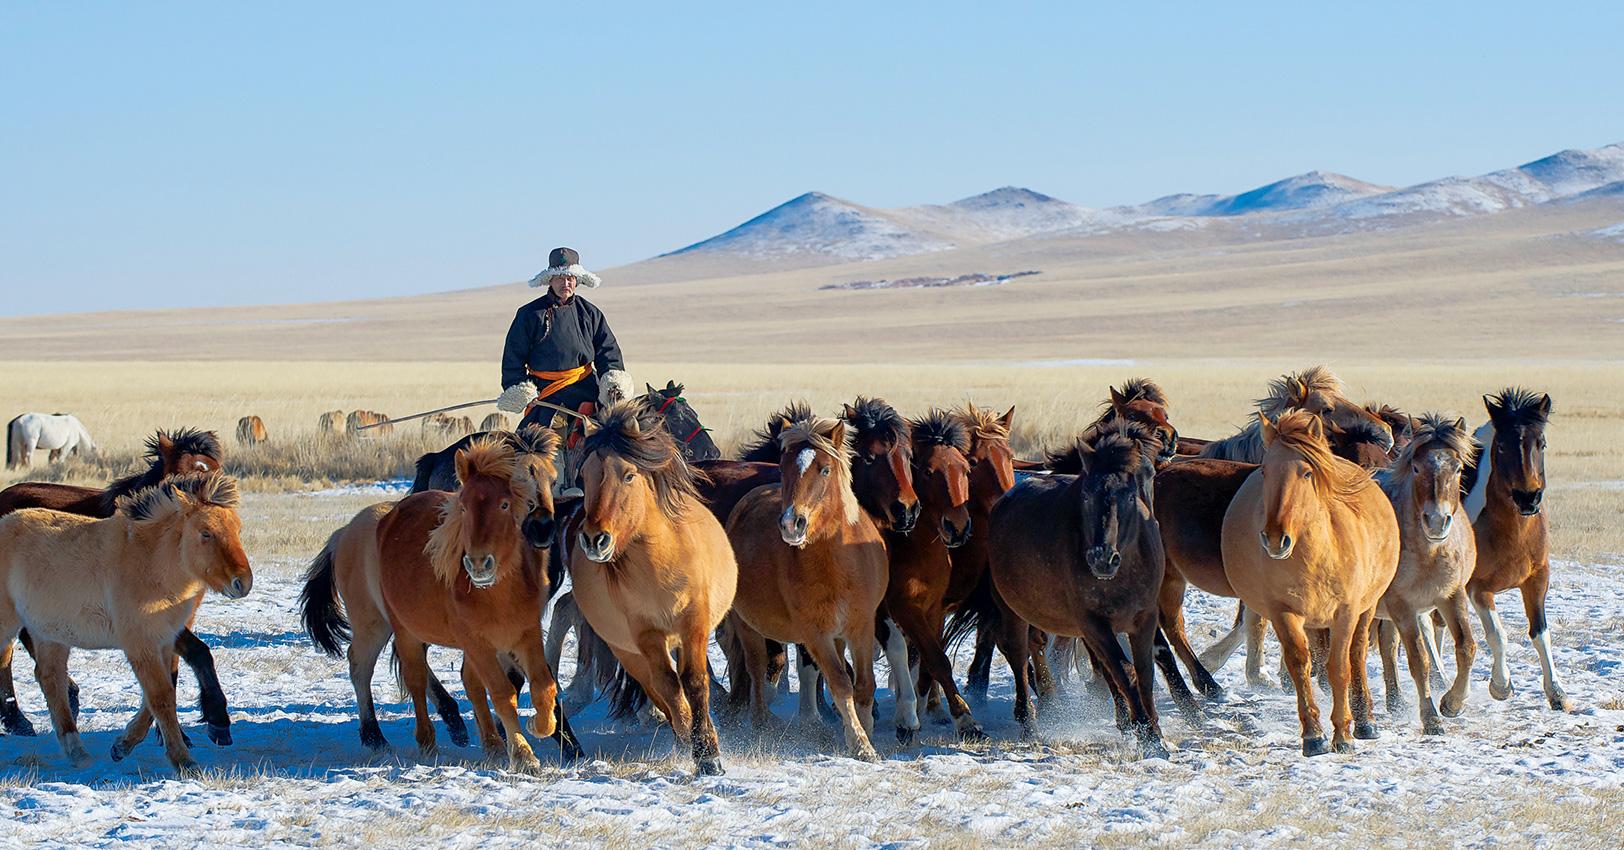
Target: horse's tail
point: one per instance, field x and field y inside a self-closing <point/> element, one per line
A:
<point x="626" y="697"/>
<point x="425" y="471"/>
<point x="978" y="611"/>
<point x="13" y="442"/>
<point x="323" y="619"/>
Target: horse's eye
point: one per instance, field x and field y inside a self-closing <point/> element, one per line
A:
<point x="1542" y="444"/>
<point x="1308" y="473"/>
<point x="505" y="504"/>
<point x="628" y="477"/>
<point x="207" y="536"/>
<point x="824" y="471"/>
<point x="868" y="460"/>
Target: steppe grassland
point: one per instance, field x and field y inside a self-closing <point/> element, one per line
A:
<point x="122" y="403"/>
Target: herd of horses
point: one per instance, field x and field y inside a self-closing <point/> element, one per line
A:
<point x="1335" y="525"/>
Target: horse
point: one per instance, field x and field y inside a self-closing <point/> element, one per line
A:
<point x="342" y="596"/>
<point x="812" y="571"/>
<point x="139" y="577"/>
<point x="494" y="422"/>
<point x="680" y="419"/>
<point x="358" y="418"/>
<point x="1311" y="542"/>
<point x="455" y="570"/>
<point x="1505" y="490"/>
<point x="168" y="454"/>
<point x="251" y="431"/>
<point x="1436" y="555"/>
<point x="652" y="570"/>
<point x="1082" y="556"/>
<point x="330" y="423"/>
<point x="59" y="433"/>
<point x="1315" y="390"/>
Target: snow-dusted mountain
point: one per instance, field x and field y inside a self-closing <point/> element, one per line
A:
<point x="1313" y="190"/>
<point x="820" y="225"/>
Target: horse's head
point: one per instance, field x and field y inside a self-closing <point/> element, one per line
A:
<point x="201" y="508"/>
<point x="682" y="421"/>
<point x="1519" y="417"/>
<point x="1300" y="475"/>
<point x="1402" y="426"/>
<point x="815" y="479"/>
<point x="1148" y="408"/>
<point x="1317" y="391"/>
<point x="1117" y="462"/>
<point x="1363" y="442"/>
<point x="882" y="463"/>
<point x="992" y="462"/>
<point x="942" y="472"/>
<point x="631" y="470"/>
<point x="1430" y="467"/>
<point x="184" y="451"/>
<point x="538" y="456"/>
<point x="479" y="526"/>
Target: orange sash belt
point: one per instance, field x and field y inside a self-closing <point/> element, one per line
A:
<point x="560" y="380"/>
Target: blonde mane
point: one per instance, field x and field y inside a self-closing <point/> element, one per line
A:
<point x="982" y="424"/>
<point x="817" y="432"/>
<point x="635" y="432"/>
<point x="1334" y="478"/>
<point x="168" y="498"/>
<point x="486" y="457"/>
<point x="1287" y="393"/>
<point x="1429" y="428"/>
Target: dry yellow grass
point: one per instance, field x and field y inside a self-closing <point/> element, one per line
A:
<point x="124" y="402"/>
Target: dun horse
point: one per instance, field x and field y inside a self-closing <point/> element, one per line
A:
<point x="652" y="570"/>
<point x="138" y="578"/>
<point x="251" y="431"/>
<point x="1311" y="542"/>
<point x="1082" y="556"/>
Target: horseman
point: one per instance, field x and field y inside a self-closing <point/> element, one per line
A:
<point x="560" y="349"/>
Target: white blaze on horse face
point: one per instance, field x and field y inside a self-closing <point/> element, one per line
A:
<point x="803" y="461"/>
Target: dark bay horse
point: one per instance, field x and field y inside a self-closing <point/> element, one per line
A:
<point x="168" y="453"/>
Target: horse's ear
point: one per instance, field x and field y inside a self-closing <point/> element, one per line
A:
<point x="847" y="412"/>
<point x="166" y="446"/>
<point x="589" y="426"/>
<point x="650" y="387"/>
<point x="1316" y="428"/>
<point x="1117" y="399"/>
<point x="1545" y="403"/>
<point x="670" y="385"/>
<point x="1085" y="456"/>
<point x="1493" y="407"/>
<point x="1460" y="424"/>
<point x="463" y="466"/>
<point x="837" y="434"/>
<point x="779" y="424"/>
<point x="1299" y="390"/>
<point x="1267" y="428"/>
<point x="1008" y="417"/>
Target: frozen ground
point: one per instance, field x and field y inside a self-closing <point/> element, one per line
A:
<point x="1507" y="774"/>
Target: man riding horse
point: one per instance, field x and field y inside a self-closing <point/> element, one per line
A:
<point x="560" y="350"/>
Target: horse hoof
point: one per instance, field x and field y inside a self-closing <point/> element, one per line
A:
<point x="906" y="736"/>
<point x="1452" y="707"/>
<point x="972" y="732"/>
<point x="188" y="768"/>
<point x="458" y="736"/>
<point x="1366" y="731"/>
<point x="1500" y="691"/>
<point x="220" y="735"/>
<point x="1432" y="726"/>
<point x="1154" y="749"/>
<point x="866" y="753"/>
<point x="372" y="738"/>
<point x="1560" y="701"/>
<point x="120" y="750"/>
<point x="1343" y="747"/>
<point x="15" y="722"/>
<point x="1315" y="746"/>
<point x="526" y="763"/>
<point x="1215" y="695"/>
<point x="711" y="767"/>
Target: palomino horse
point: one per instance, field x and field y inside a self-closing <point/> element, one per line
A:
<point x="168" y="454"/>
<point x="1436" y="557"/>
<point x="1505" y="492"/>
<point x="251" y="431"/>
<point x="138" y="579"/>
<point x="1082" y="556"/>
<point x="1314" y="390"/>
<point x="652" y="571"/>
<point x="59" y="433"/>
<point x="358" y="418"/>
<point x="455" y="570"/>
<point x="812" y="571"/>
<point x="1311" y="542"/>
<point x="330" y="423"/>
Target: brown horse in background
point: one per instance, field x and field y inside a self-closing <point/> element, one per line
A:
<point x="358" y="418"/>
<point x="1311" y="542"/>
<point x="168" y="454"/>
<point x="1314" y="390"/>
<point x="251" y="431"/>
<point x="138" y="578"/>
<point x="1505" y="496"/>
<point x="653" y="571"/>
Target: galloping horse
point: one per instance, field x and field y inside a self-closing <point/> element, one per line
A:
<point x="652" y="570"/>
<point x="1311" y="542"/>
<point x="138" y="579"/>
<point x="812" y="570"/>
<point x="59" y="433"/>
<point x="1505" y="494"/>
<point x="1082" y="556"/>
<point x="1436" y="557"/>
<point x="168" y="454"/>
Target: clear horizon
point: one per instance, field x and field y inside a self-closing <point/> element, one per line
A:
<point x="198" y="155"/>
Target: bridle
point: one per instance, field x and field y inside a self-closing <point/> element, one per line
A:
<point x="666" y="403"/>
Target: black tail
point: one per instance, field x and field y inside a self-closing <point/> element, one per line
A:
<point x="11" y="444"/>
<point x="323" y="621"/>
<point x="626" y="697"/>
<point x="425" y="470"/>
<point x="978" y="612"/>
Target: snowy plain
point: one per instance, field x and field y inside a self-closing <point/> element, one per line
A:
<point x="1507" y="774"/>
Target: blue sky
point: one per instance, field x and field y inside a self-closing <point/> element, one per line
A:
<point x="206" y="153"/>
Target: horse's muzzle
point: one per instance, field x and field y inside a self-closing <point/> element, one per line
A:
<point x="1280" y="553"/>
<point x="1103" y="561"/>
<point x="598" y="548"/>
<point x="955" y="537"/>
<point x="484" y="574"/>
<point x="238" y="587"/>
<point x="539" y="530"/>
<point x="1528" y="501"/>
<point x="1435" y="524"/>
<point x="904" y="517"/>
<point x="792" y="527"/>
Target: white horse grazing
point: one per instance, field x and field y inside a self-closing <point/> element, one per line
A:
<point x="58" y="433"/>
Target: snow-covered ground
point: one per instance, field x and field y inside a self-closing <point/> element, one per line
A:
<point x="1507" y="774"/>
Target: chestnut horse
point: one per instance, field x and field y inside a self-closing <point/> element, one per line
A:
<point x="1081" y="556"/>
<point x="1315" y="390"/>
<point x="1311" y="542"/>
<point x="1436" y="557"/>
<point x="812" y="570"/>
<point x="652" y="569"/>
<point x="251" y="431"/>
<point x="168" y="454"/>
<point x="1505" y="496"/>
<point x="138" y="578"/>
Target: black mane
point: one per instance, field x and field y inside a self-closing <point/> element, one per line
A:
<point x="1118" y="446"/>
<point x="763" y="445"/>
<point x="939" y="428"/>
<point x="876" y="417"/>
<point x="1522" y="407"/>
<point x="185" y="440"/>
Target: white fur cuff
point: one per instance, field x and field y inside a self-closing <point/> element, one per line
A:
<point x="516" y="398"/>
<point x="582" y="276"/>
<point x="615" y="385"/>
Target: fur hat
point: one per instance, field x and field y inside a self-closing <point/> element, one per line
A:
<point x="564" y="261"/>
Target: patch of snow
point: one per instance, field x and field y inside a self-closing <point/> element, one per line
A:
<point x="1313" y="190"/>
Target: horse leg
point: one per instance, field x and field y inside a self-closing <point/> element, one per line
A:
<point x="1533" y="594"/>
<point x="917" y="626"/>
<point x="1339" y="667"/>
<point x="1288" y="627"/>
<point x="566" y="616"/>
<point x="412" y="656"/>
<point x="152" y="670"/>
<point x="1103" y="677"/>
<point x="1256" y="629"/>
<point x="489" y="669"/>
<point x="694" y="673"/>
<point x="978" y="679"/>
<point x="1042" y="673"/>
<point x="1217" y="655"/>
<point x="907" y="710"/>
<point x="841" y="689"/>
<point x="861" y="647"/>
<point x="474" y="687"/>
<point x="532" y="659"/>
<point x="1170" y="605"/>
<point x="1409" y="626"/>
<point x="1114" y="666"/>
<point x="51" y="670"/>
<point x="1495" y="633"/>
<point x="1387" y="641"/>
<point x="656" y="654"/>
<point x="211" y="697"/>
<point x="1182" y="697"/>
<point x="811" y="687"/>
<point x="450" y="713"/>
<point x="12" y="718"/>
<point x="1012" y="642"/>
<point x="1364" y="721"/>
<point x="1147" y="649"/>
<point x="369" y="637"/>
<point x="1460" y="631"/>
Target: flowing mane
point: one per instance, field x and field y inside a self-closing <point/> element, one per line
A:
<point x="182" y="441"/>
<point x="1430" y="428"/>
<point x="817" y="432"/>
<point x="939" y="428"/>
<point x="486" y="457"/>
<point x="538" y="441"/>
<point x="1333" y="476"/>
<point x="983" y="424"/>
<point x="763" y="444"/>
<point x="162" y="500"/>
<point x="634" y="432"/>
<point x="876" y="417"/>
<point x="1287" y="393"/>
